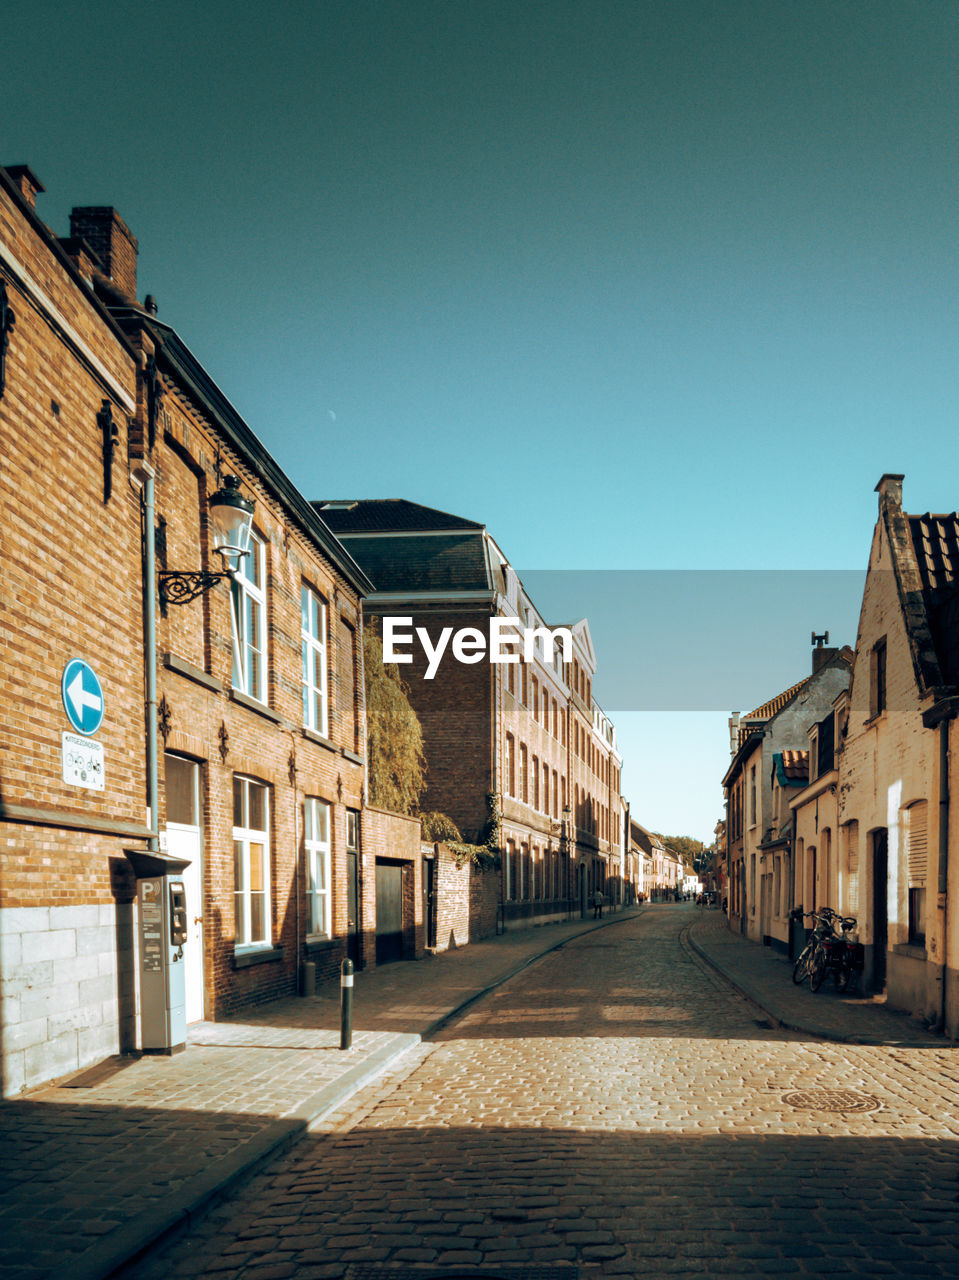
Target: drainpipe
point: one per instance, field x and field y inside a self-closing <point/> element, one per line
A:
<point x="942" y="887"/>
<point x="144" y="475"/>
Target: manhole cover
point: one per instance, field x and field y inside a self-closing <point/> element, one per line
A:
<point x="831" y="1100"/>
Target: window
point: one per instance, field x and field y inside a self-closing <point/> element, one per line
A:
<point x="523" y="774"/>
<point x="182" y="791"/>
<point x="313" y="639"/>
<point x="534" y="697"/>
<point x="510" y="765"/>
<point x="316" y="841"/>
<point x="877" y="678"/>
<point x="251" y="860"/>
<point x="916" y="824"/>
<point x="555" y="794"/>
<point x="752" y="796"/>
<point x="546" y="788"/>
<point x="535" y="782"/>
<point x="511" y="871"/>
<point x="917" y="917"/>
<point x="248" y="600"/>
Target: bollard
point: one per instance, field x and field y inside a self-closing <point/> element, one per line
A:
<point x="346" y="1004"/>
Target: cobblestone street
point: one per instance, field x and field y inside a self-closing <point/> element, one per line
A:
<point x="616" y="1106"/>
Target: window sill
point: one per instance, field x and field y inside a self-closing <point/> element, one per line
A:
<point x="914" y="950"/>
<point x="246" y="959"/>
<point x="353" y="755"/>
<point x="187" y="669"/>
<point x="251" y="704"/>
<point x="874" y="719"/>
<point x="312" y="736"/>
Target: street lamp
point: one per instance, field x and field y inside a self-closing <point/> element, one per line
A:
<point x="565" y="841"/>
<point x="230" y="518"/>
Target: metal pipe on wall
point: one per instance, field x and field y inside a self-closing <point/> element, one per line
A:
<point x="145" y="477"/>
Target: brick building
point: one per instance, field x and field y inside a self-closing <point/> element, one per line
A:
<point x="760" y="869"/>
<point x="249" y="758"/>
<point x="897" y="826"/>
<point x="528" y="733"/>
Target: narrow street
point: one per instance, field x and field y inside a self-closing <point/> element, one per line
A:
<point x="618" y="1107"/>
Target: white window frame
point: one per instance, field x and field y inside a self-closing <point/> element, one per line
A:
<point x="243" y="838"/>
<point x="244" y="588"/>
<point x="317" y="820"/>
<point x="314" y="650"/>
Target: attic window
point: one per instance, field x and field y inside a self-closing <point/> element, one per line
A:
<point x="338" y="506"/>
<point x="877" y="678"/>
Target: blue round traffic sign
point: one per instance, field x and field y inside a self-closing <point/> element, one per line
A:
<point x="82" y="696"/>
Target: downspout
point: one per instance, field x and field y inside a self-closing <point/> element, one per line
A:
<point x="942" y="887"/>
<point x="144" y="475"/>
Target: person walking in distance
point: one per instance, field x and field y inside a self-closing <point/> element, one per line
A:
<point x="598" y="905"/>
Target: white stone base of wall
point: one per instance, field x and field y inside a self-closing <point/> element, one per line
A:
<point x="67" y="976"/>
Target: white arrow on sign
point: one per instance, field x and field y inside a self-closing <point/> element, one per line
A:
<point x="80" y="697"/>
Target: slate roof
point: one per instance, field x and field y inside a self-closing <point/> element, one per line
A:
<point x="935" y="539"/>
<point x="387" y="515"/>
<point x="436" y="562"/>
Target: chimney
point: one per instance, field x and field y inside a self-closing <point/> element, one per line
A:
<point x="734" y="733"/>
<point x="821" y="654"/>
<point x="889" y="489"/>
<point x="111" y="240"/>
<point x="26" y="182"/>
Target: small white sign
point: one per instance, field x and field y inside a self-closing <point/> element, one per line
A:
<point x="83" y="762"/>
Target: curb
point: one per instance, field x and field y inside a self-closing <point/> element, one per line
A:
<point x="198" y="1193"/>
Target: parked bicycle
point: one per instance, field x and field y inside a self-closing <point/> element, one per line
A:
<point x="812" y="959"/>
<point x="830" y="950"/>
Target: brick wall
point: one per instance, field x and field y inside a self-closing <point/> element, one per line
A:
<point x="467" y="899"/>
<point x="70" y="585"/>
<point x="455" y="711"/>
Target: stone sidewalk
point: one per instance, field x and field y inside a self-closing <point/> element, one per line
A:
<point x="764" y="975"/>
<point x="99" y="1166"/>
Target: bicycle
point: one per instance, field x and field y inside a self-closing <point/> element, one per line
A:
<point x="811" y="961"/>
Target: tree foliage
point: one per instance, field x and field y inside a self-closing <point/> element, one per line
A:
<point x="397" y="765"/>
<point x="689" y="850"/>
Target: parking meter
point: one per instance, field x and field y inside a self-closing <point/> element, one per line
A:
<point x="162" y="912"/>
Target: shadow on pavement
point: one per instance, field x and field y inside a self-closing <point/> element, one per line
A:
<point x="636" y="1204"/>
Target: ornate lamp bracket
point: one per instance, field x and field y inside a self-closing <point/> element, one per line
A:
<point x="181" y="588"/>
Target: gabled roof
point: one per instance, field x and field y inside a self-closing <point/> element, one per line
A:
<point x="388" y="515"/>
<point x="775" y="705"/>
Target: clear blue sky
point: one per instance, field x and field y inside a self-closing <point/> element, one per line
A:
<point x="642" y="286"/>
